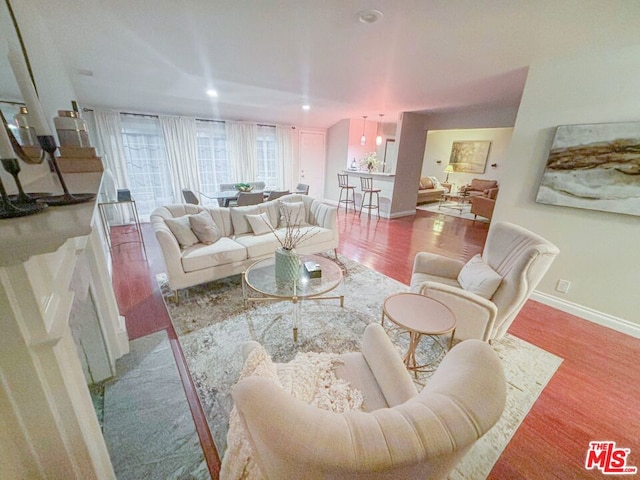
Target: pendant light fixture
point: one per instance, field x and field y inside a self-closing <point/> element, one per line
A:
<point x="379" y="137"/>
<point x="363" y="139"/>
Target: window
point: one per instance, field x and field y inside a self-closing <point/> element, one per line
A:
<point x="147" y="165"/>
<point x="268" y="170"/>
<point x="213" y="159"/>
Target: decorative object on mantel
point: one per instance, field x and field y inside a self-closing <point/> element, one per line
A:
<point x="370" y="162"/>
<point x="27" y="205"/>
<point x="594" y="166"/>
<point x="470" y="156"/>
<point x="243" y="187"/>
<point x="42" y="130"/>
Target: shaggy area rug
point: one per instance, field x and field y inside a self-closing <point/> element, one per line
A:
<point x="212" y="322"/>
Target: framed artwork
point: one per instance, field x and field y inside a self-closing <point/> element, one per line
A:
<point x="469" y="156"/>
<point x="594" y="166"/>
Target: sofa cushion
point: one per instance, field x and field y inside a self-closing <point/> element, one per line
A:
<point x="239" y="220"/>
<point x="181" y="229"/>
<point x="200" y="256"/>
<point x="479" y="278"/>
<point x="294" y="213"/>
<point x="204" y="227"/>
<point x="258" y="245"/>
<point x="260" y="223"/>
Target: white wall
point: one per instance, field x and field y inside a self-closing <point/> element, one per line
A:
<point x="438" y="148"/>
<point x="600" y="252"/>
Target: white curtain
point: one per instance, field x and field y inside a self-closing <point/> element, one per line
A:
<point x="108" y="134"/>
<point x="284" y="154"/>
<point x="241" y="138"/>
<point x="180" y="137"/>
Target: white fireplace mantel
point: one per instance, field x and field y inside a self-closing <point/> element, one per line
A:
<point x="48" y="426"/>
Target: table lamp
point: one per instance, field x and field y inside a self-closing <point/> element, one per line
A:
<point x="448" y="169"/>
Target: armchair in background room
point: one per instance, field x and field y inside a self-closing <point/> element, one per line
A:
<point x="487" y="293"/>
<point x="483" y="205"/>
<point x="479" y="186"/>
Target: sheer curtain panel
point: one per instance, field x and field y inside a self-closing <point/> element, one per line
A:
<point x="241" y="138"/>
<point x="180" y="137"/>
<point x="108" y="134"/>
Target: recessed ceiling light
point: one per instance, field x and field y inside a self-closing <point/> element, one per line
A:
<point x="306" y="107"/>
<point x="212" y="93"/>
<point x="369" y="16"/>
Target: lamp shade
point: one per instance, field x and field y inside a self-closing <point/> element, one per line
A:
<point x="448" y="168"/>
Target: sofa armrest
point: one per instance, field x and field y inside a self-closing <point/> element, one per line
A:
<point x="435" y="264"/>
<point x="171" y="253"/>
<point x="326" y="216"/>
<point x="475" y="315"/>
<point x="387" y="366"/>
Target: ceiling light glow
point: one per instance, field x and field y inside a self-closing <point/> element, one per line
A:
<point x="212" y="93"/>
<point x="306" y="107"/>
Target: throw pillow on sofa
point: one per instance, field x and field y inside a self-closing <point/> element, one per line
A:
<point x="479" y="278"/>
<point x="239" y="218"/>
<point x="204" y="228"/>
<point x="293" y="213"/>
<point x="181" y="229"/>
<point x="260" y="223"/>
<point x="426" y="183"/>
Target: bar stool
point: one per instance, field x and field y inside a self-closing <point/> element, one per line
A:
<point x="343" y="183"/>
<point x="366" y="184"/>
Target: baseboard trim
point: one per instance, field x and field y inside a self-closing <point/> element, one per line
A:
<point x="586" y="313"/>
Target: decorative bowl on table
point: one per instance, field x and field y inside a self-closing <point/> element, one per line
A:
<point x="243" y="187"/>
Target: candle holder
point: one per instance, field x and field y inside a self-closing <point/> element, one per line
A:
<point x="48" y="144"/>
<point x="9" y="210"/>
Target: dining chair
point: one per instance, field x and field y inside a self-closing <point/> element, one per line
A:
<point x="249" y="198"/>
<point x="190" y="197"/>
<point x="302" y="188"/>
<point x="274" y="194"/>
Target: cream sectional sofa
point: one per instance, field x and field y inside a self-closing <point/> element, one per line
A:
<point x="238" y="246"/>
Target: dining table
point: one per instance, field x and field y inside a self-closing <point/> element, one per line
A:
<point x="225" y="197"/>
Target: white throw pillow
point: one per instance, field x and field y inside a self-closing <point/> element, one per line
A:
<point x="293" y="213"/>
<point x="479" y="278"/>
<point x="260" y="224"/>
<point x="204" y="227"/>
<point x="181" y="229"/>
<point x="239" y="218"/>
<point x="436" y="182"/>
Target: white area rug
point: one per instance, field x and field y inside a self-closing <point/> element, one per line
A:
<point x="453" y="209"/>
<point x="212" y="323"/>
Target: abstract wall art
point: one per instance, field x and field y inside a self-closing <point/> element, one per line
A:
<point x="594" y="166"/>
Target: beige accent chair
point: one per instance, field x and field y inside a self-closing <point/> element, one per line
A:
<point x="401" y="435"/>
<point x="519" y="256"/>
<point x="484" y="205"/>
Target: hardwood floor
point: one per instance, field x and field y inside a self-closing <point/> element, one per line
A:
<point x="595" y="395"/>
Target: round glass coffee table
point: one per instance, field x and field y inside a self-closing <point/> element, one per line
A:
<point x="260" y="277"/>
<point x="420" y="316"/>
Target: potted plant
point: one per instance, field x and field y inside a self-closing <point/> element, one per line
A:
<point x="370" y="162"/>
<point x="243" y="187"/>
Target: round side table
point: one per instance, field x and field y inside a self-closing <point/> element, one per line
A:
<point x="419" y="315"/>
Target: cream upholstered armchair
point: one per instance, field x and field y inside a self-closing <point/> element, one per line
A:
<point x="485" y="304"/>
<point x="401" y="435"/>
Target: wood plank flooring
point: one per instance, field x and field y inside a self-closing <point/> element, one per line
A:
<point x="595" y="395"/>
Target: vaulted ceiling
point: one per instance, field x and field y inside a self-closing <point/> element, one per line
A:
<point x="266" y="58"/>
